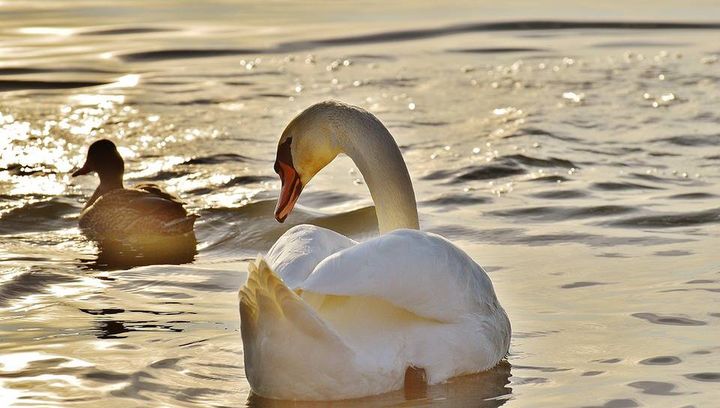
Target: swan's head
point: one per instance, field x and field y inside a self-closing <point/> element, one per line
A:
<point x="104" y="159"/>
<point x="307" y="145"/>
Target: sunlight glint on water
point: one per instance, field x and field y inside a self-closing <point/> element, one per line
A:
<point x="577" y="163"/>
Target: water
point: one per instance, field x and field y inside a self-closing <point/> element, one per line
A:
<point x="579" y="163"/>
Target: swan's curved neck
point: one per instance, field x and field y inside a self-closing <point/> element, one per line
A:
<point x="371" y="146"/>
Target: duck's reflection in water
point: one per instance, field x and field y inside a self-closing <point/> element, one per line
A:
<point x="174" y="250"/>
<point x="488" y="389"/>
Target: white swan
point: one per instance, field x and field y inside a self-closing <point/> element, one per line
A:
<point x="328" y="318"/>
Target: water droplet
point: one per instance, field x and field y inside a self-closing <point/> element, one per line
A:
<point x="709" y="60"/>
<point x="573" y="97"/>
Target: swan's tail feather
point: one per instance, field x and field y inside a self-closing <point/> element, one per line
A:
<point x="282" y="335"/>
<point x="266" y="299"/>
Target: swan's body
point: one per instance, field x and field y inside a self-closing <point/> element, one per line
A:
<point x="328" y="318"/>
<point x="113" y="212"/>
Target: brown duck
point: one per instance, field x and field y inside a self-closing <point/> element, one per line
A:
<point x="118" y="213"/>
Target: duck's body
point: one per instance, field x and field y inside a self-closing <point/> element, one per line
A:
<point x="327" y="318"/>
<point x="114" y="212"/>
<point x="138" y="211"/>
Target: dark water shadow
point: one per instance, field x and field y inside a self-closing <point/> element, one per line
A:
<point x="497" y="50"/>
<point x="488" y="389"/>
<point x="171" y="250"/>
<point x="251" y="229"/>
<point x="126" y="30"/>
<point x="19" y="85"/>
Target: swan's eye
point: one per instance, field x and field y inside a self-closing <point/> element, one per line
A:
<point x="277" y="168"/>
<point x="284" y="155"/>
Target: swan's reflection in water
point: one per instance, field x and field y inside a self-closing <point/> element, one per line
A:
<point x="488" y="389"/>
<point x="169" y="250"/>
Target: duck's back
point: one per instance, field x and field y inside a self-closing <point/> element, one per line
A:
<point x="144" y="210"/>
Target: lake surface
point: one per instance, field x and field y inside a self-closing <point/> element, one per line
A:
<point x="577" y="161"/>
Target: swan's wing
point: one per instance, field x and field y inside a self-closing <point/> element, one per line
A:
<point x="266" y="300"/>
<point x="289" y="351"/>
<point x="417" y="271"/>
<point x="297" y="252"/>
<point x="410" y="298"/>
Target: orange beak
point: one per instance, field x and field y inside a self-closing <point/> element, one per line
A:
<point x="289" y="192"/>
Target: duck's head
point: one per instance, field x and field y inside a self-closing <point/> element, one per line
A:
<point x="307" y="145"/>
<point x="104" y="159"/>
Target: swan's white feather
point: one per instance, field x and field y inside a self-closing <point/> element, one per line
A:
<point x="296" y="253"/>
<point x="342" y="319"/>
<point x="290" y="352"/>
<point x="418" y="271"/>
<point x="365" y="313"/>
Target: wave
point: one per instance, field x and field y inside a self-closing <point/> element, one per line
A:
<point x="691" y="140"/>
<point x="48" y="215"/>
<point x="562" y="213"/>
<point x="671" y="220"/>
<point x="614" y="186"/>
<point x="415" y="34"/>
<point x="125" y="31"/>
<point x="491" y="50"/>
<point x="16" y="84"/>
<point x="29" y="282"/>
<point x="501" y="167"/>
<point x="520" y="236"/>
<point x="161" y="55"/>
<point x="48" y="70"/>
<point x="218" y="159"/>
<point x="561" y="194"/>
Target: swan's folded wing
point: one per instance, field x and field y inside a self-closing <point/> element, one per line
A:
<point x="417" y="271"/>
<point x="284" y="340"/>
<point x="265" y="297"/>
<point x="299" y="250"/>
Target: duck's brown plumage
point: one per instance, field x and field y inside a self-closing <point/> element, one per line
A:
<point x="118" y="213"/>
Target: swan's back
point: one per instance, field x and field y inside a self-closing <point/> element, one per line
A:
<point x="418" y="271"/>
<point x="403" y="299"/>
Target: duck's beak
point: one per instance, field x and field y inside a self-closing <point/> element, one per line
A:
<point x="289" y="192"/>
<point x="85" y="169"/>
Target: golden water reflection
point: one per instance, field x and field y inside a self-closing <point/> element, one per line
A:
<point x="489" y="389"/>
